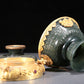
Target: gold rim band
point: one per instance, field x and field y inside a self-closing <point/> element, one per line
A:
<point x="15" y="46"/>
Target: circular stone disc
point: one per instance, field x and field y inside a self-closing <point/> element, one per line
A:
<point x="46" y="33"/>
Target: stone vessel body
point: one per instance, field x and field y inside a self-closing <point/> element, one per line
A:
<point x="62" y="44"/>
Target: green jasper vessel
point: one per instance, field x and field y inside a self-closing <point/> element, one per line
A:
<point x="62" y="44"/>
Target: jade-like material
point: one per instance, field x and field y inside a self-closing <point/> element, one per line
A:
<point x="63" y="42"/>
